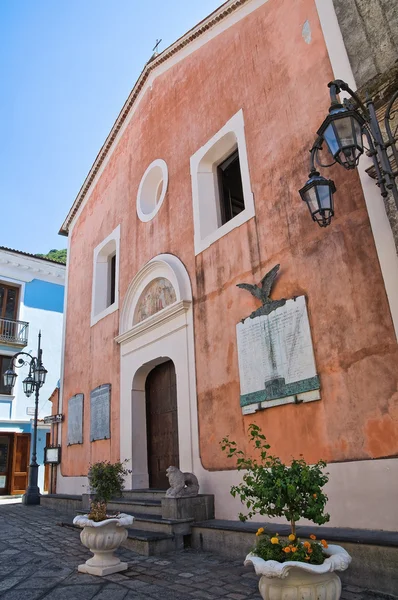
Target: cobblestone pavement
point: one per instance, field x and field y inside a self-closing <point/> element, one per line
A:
<point x="38" y="559"/>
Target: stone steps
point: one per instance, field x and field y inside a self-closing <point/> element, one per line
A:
<point x="136" y="507"/>
<point x="157" y="524"/>
<point x="160" y="525"/>
<point x="143" y="494"/>
<point x="149" y="543"/>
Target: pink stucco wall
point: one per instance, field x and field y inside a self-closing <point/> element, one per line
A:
<point x="264" y="66"/>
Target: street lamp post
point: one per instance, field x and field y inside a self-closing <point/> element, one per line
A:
<point x="342" y="131"/>
<point x="32" y="383"/>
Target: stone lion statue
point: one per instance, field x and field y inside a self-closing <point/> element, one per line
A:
<point x="182" y="485"/>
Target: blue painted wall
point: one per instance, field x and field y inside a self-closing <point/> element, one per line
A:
<point x="44" y="295"/>
<point x="26" y="428"/>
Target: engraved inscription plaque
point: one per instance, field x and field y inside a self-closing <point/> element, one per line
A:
<point x="275" y="354"/>
<point x="75" y="419"/>
<point x="100" y="413"/>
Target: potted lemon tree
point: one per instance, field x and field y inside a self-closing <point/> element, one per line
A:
<point x="289" y="568"/>
<point x="103" y="533"/>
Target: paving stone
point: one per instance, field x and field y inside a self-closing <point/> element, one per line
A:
<point x="8" y="583"/>
<point x="203" y="595"/>
<point x="111" y="591"/>
<point x="134" y="584"/>
<point x="22" y="594"/>
<point x="77" y="592"/>
<point x="39" y="559"/>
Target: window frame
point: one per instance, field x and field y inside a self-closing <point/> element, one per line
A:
<point x="15" y="288"/>
<point x="208" y="226"/>
<point x="225" y="210"/>
<point x="102" y="279"/>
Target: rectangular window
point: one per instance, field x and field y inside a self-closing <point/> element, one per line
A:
<point x="8" y="302"/>
<point x="111" y="279"/>
<point x="230" y="188"/>
<point x="5" y="364"/>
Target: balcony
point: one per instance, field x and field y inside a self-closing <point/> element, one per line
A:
<point x="14" y="332"/>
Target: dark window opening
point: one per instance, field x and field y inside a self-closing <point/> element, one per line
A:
<point x="230" y="187"/>
<point x="112" y="280"/>
<point x="8" y="302"/>
<point x="5" y="364"/>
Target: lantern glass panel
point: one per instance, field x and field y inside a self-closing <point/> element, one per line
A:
<point x="345" y="131"/>
<point x="325" y="196"/>
<point x="358" y="134"/>
<point x="330" y="138"/>
<point x="311" y="199"/>
<point x="28" y="386"/>
<point x="9" y="378"/>
<point x="40" y="375"/>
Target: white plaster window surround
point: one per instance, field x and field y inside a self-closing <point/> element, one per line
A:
<point x="152" y="190"/>
<point x="205" y="186"/>
<point x="101" y="305"/>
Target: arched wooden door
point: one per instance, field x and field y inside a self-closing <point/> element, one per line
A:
<point x="162" y="424"/>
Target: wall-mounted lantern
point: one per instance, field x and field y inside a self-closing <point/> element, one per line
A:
<point x="342" y="131"/>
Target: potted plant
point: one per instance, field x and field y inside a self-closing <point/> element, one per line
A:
<point x="103" y="533"/>
<point x="290" y="568"/>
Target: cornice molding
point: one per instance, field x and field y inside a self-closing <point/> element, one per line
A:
<point x="201" y="28"/>
<point x="32" y="268"/>
<point x="158" y="319"/>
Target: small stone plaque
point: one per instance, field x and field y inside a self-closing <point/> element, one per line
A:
<point x="75" y="419"/>
<point x="276" y="358"/>
<point x="100" y="403"/>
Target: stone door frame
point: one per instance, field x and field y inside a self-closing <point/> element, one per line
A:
<point x="166" y="335"/>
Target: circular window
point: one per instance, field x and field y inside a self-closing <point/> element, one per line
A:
<point x="152" y="190"/>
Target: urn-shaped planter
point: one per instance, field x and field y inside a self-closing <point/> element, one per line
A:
<point x="102" y="538"/>
<point x="292" y="580"/>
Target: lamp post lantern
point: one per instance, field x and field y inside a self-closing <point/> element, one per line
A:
<point x="342" y="131"/>
<point x="31" y="384"/>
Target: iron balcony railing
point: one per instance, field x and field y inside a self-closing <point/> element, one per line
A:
<point x="14" y="332"/>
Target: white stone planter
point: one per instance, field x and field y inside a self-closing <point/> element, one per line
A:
<point x="102" y="539"/>
<point x="293" y="580"/>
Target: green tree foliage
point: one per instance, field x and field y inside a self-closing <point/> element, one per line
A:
<point x="58" y="255"/>
<point x="275" y="489"/>
<point x="106" y="481"/>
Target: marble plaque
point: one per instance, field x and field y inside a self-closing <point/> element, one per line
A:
<point x="100" y="405"/>
<point x="275" y="354"/>
<point x="75" y="419"/>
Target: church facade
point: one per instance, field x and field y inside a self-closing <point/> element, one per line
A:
<point x="193" y="193"/>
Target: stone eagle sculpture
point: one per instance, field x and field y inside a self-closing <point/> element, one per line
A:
<point x="263" y="293"/>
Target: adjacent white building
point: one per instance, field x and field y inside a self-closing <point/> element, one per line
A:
<point x="31" y="300"/>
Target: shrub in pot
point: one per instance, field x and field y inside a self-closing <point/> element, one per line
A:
<point x="103" y="533"/>
<point x="289" y="569"/>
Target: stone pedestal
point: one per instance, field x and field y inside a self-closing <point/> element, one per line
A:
<point x="198" y="508"/>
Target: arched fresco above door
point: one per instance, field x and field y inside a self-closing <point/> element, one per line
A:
<point x="158" y="294"/>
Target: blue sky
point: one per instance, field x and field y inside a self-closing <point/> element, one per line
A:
<point x="67" y="67"/>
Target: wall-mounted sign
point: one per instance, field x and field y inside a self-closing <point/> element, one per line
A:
<point x="30" y="411"/>
<point x="276" y="358"/>
<point x="52" y="455"/>
<point x="75" y="419"/>
<point x="53" y="419"/>
<point x="100" y="399"/>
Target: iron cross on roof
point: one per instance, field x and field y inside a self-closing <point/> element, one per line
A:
<point x="155" y="48"/>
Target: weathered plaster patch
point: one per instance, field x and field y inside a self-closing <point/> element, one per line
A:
<point x="306" y="32"/>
